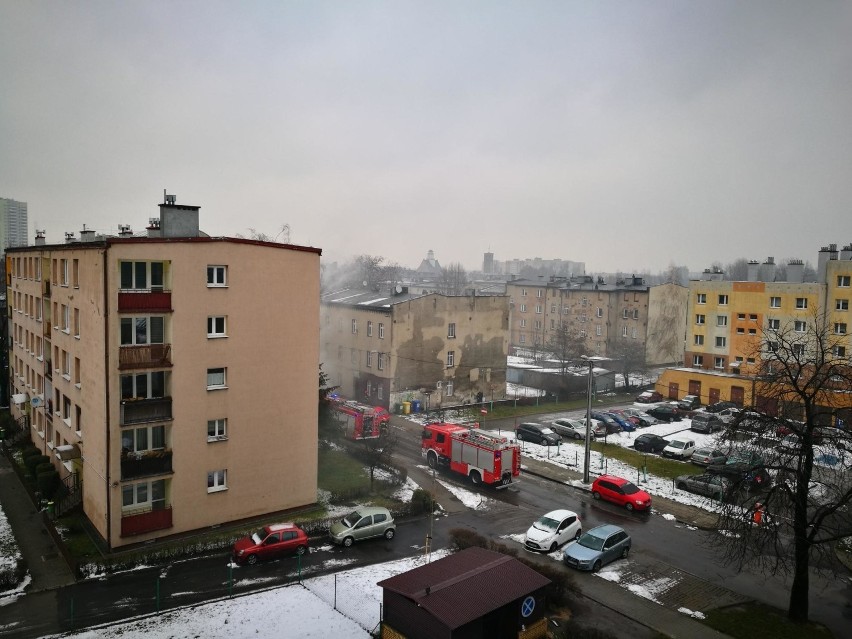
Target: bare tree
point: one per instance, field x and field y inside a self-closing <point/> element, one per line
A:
<point x="567" y="345"/>
<point x="629" y="358"/>
<point x="803" y="380"/>
<point x="377" y="452"/>
<point x="454" y="280"/>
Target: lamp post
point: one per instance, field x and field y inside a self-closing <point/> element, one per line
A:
<point x="588" y="453"/>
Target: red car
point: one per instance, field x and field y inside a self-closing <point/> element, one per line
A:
<point x="649" y="397"/>
<point x="620" y="491"/>
<point x="271" y="542"/>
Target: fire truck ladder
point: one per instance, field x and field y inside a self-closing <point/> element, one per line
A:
<point x="485" y="439"/>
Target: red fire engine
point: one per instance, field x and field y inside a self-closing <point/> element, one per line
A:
<point x="359" y="421"/>
<point x="485" y="457"/>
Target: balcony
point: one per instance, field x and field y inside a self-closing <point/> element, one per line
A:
<point x="145" y="356"/>
<point x="142" y="464"/>
<point x="138" y="411"/>
<point x="148" y="301"/>
<point x="138" y="523"/>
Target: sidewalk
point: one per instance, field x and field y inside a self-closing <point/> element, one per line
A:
<point x="46" y="566"/>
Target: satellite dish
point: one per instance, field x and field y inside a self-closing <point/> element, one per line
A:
<point x="364" y="282"/>
<point x="398" y="289"/>
<point x="36" y="401"/>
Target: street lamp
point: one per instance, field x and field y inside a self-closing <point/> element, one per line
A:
<point x="587" y="458"/>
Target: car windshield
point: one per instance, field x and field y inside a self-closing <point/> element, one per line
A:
<point x="676" y="444"/>
<point x="259" y="536"/>
<point x="546" y="431"/>
<point x="351" y="519"/>
<point x="629" y="488"/>
<point x="546" y="523"/>
<point x="702" y="451"/>
<point x="591" y="541"/>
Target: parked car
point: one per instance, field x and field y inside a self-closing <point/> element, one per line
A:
<point x="270" y="542"/>
<point x="689" y="402"/>
<point x="650" y="443"/>
<point x="552" y="530"/>
<point x="649" y="397"/>
<point x="623" y="421"/>
<point x="576" y="428"/>
<point x="364" y="523"/>
<point x="620" y="491"/>
<point x="720" y="406"/>
<point x="708" y="484"/>
<point x="728" y="415"/>
<point x="665" y="413"/>
<point x="706" y="423"/>
<point x="679" y="449"/>
<point x="745" y="469"/>
<point x="537" y="433"/>
<point x="644" y="418"/>
<point x="598" y="547"/>
<point x="707" y="456"/>
<point x="609" y="423"/>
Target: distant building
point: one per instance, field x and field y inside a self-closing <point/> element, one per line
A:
<point x="488" y="264"/>
<point x="170" y="378"/>
<point x="429" y="268"/>
<point x="13" y="223"/>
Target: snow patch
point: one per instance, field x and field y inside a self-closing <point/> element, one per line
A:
<point x="692" y="613"/>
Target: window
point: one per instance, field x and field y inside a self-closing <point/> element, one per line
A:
<point x="135" y="440"/>
<point x="143" y="330"/>
<point x="598" y="330"/>
<point x="723" y="300"/>
<point x="523" y="339"/>
<point x="142" y="275"/>
<point x="380" y="392"/>
<point x="583" y="318"/>
<point x="354" y="327"/>
<point x="144" y="495"/>
<point x="843" y="281"/>
<point x="75" y="273"/>
<point x="66" y="409"/>
<point x="523" y="308"/>
<point x="740" y="331"/>
<point x="582" y="333"/>
<point x="76" y="322"/>
<point x="77" y="378"/>
<point x="523" y="323"/>
<point x="66" y="318"/>
<point x="773" y="324"/>
<point x="798" y="349"/>
<point x="636" y="313"/>
<point x="599" y="312"/>
<point x="721" y="342"/>
<point x="624" y="331"/>
<point x="66" y="365"/>
<point x="701" y="298"/>
<point x="752" y="331"/>
<point x="838" y="351"/>
<point x="451" y="359"/>
<point x="451" y="330"/>
<point x="633" y="333"/>
<point x="448" y="388"/>
<point x="552" y="324"/>
<point x="143" y="386"/>
<point x="538" y="308"/>
<point x="524" y="292"/>
<point x="752" y="317"/>
<point x="216" y="378"/>
<point x="774" y="302"/>
<point x="368" y="389"/>
<point x="215" y="326"/>
<point x="63" y="272"/>
<point x="719" y="362"/>
<point x="840" y="328"/>
<point x="699" y="340"/>
<point x="369" y="359"/>
<point x="539" y="292"/>
<point x="721" y="320"/>
<point x="698" y="360"/>
<point x="624" y="313"/>
<point x="217" y="480"/>
<point x="839" y="305"/>
<point x="801" y="302"/>
<point x="381" y="331"/>
<point x="369" y="329"/>
<point x="538" y="325"/>
<point x="217" y="276"/>
<point x="217" y="429"/>
<point x="799" y="326"/>
<point x="381" y="361"/>
<point x="584" y="301"/>
<point x="699" y="319"/>
<point x="553" y="308"/>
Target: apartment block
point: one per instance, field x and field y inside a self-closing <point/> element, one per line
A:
<point x="13" y="223"/>
<point x="170" y="376"/>
<point x="386" y="347"/>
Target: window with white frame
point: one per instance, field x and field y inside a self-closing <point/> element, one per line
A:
<point x="369" y="359"/>
<point x="354" y="327"/>
<point x="538" y="325"/>
<point x="216" y="326"/>
<point x="216" y="378"/>
<point x="719" y="362"/>
<point x="217" y="429"/>
<point x="801" y="302"/>
<point x="624" y="313"/>
<point x="144" y="438"/>
<point x="539" y="292"/>
<point x="752" y="317"/>
<point x="840" y="328"/>
<point x="448" y="388"/>
<point x="598" y="330"/>
<point x="66" y="365"/>
<point x="142" y="330"/>
<point x="451" y="330"/>
<point x="217" y="275"/>
<point x="553" y="308"/>
<point x="723" y="300"/>
<point x="624" y="331"/>
<point x="523" y="339"/>
<point x="599" y="312"/>
<point x="523" y="308"/>
<point x="800" y="326"/>
<point x="636" y="313"/>
<point x="369" y="329"/>
<point x="843" y="281"/>
<point x="583" y="333"/>
<point x="721" y="320"/>
<point x="773" y="324"/>
<point x="381" y="331"/>
<point x="76" y="322"/>
<point x="217" y="480"/>
<point x="451" y="359"/>
<point x="838" y="351"/>
<point x="143" y="385"/>
<point x="721" y="342"/>
<point x="524" y="292"/>
<point x="584" y="301"/>
<point x="839" y="305"/>
<point x="774" y="302"/>
<point x="698" y="340"/>
<point x="699" y="319"/>
<point x="380" y="361"/>
<point x="798" y="349"/>
<point x="523" y="323"/>
<point x="701" y="298"/>
<point x="63" y="272"/>
<point x="66" y="318"/>
<point x="368" y="389"/>
<point x="144" y="495"/>
<point x="538" y="308"/>
<point x="740" y="330"/>
<point x="380" y="391"/>
<point x="633" y="333"/>
<point x="698" y="360"/>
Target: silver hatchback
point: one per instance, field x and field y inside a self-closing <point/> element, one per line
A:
<point x="363" y="523"/>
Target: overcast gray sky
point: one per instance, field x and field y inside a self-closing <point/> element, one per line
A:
<point x="628" y="135"/>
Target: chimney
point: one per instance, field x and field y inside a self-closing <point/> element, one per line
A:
<point x="752" y="270"/>
<point x="795" y="271"/>
<point x="69" y="237"/>
<point x="39" y="238"/>
<point x="176" y="220"/>
<point x="767" y="270"/>
<point x="846" y="253"/>
<point x="124" y="230"/>
<point x="87" y="235"/>
<point x="826" y="254"/>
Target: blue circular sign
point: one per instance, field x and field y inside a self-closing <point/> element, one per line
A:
<point x="528" y="606"/>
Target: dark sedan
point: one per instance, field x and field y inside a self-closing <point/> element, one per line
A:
<point x="650" y="443"/>
<point x="612" y="426"/>
<point x="665" y="413"/>
<point x="538" y="433"/>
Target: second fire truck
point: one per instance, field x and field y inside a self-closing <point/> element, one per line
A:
<point x="484" y="457"/>
<point x="359" y="421"/>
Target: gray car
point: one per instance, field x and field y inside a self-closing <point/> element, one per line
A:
<point x="713" y="486"/>
<point x="707" y="456"/>
<point x="364" y="523"/>
<point x="576" y="428"/>
<point x="597" y="548"/>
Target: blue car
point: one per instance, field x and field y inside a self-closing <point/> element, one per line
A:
<point x="597" y="548"/>
<point x="612" y="426"/>
<point x="625" y="423"/>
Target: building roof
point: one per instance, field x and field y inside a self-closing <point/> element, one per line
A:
<point x="466" y="585"/>
<point x="382" y="297"/>
<point x="583" y="283"/>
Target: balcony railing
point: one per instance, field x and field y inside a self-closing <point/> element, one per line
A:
<point x="150" y="300"/>
<point x="137" y="411"/>
<point x="145" y="356"/>
<point x="137" y="523"/>
<point x="153" y="462"/>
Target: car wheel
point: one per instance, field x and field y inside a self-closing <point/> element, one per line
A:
<point x="542" y="441"/>
<point x="506" y="479"/>
<point x="681" y="485"/>
<point x="432" y="458"/>
<point x="577" y="436"/>
<point x="628" y="506"/>
<point x="519" y="437"/>
<point x="579" y="532"/>
<point x="251" y="560"/>
<point x="347" y="541"/>
<point x="625" y="552"/>
<point x="301" y="550"/>
<point x="475" y="477"/>
<point x="596" y="495"/>
<point x="389" y="533"/>
<point x="596" y="566"/>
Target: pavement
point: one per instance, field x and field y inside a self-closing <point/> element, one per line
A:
<point x="49" y="571"/>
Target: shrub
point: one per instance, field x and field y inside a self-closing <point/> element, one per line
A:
<point x="32" y="462"/>
<point x="43" y="468"/>
<point x="47" y="483"/>
<point x="29" y="451"/>
<point x="421" y="501"/>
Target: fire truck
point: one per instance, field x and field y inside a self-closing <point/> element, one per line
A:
<point x="359" y="421"/>
<point x="485" y="457"/>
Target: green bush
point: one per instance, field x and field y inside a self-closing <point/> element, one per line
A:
<point x="43" y="468"/>
<point x="29" y="451"/>
<point x="32" y="462"/>
<point x="421" y="501"/>
<point x="47" y="483"/>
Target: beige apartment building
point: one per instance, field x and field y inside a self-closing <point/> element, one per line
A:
<point x="387" y="347"/>
<point x="165" y="376"/>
